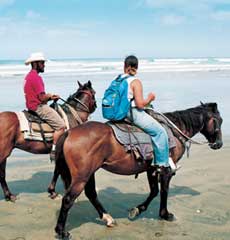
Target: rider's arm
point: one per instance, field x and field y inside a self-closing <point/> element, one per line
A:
<point x="45" y="97"/>
<point x="137" y="89"/>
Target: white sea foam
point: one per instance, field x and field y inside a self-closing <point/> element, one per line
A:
<point x="92" y="66"/>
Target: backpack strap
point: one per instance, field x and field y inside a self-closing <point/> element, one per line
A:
<point x="120" y="78"/>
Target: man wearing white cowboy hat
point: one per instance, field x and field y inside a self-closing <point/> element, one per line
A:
<point x="37" y="98"/>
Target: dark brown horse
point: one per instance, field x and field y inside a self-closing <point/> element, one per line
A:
<point x="90" y="146"/>
<point x="84" y="103"/>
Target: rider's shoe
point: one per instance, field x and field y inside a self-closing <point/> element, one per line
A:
<point x="174" y="167"/>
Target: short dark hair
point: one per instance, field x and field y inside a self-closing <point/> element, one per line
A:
<point x="131" y="61"/>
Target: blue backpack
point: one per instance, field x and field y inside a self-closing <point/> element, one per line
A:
<point x="115" y="103"/>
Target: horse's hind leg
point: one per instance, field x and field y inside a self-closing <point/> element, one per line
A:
<point x="8" y="195"/>
<point x="51" y="187"/>
<point x="165" y="177"/>
<point x="90" y="192"/>
<point x="154" y="190"/>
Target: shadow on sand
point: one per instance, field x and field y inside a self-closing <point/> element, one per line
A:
<point x="116" y="202"/>
<point x="38" y="183"/>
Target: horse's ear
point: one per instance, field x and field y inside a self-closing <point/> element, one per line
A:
<point x="214" y="107"/>
<point x="79" y="84"/>
<point x="202" y="104"/>
<point x="89" y="84"/>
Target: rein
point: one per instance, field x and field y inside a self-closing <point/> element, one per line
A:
<point x="76" y="100"/>
<point x="73" y="111"/>
<point x="79" y="101"/>
<point x="184" y="135"/>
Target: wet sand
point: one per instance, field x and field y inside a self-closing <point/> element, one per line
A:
<point x="199" y="197"/>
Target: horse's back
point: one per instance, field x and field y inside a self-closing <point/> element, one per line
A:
<point x="92" y="128"/>
<point x="88" y="135"/>
<point x="8" y="114"/>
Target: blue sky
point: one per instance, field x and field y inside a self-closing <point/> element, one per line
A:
<point x="115" y="28"/>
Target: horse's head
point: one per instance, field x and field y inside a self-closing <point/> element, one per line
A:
<point x="212" y="125"/>
<point x="84" y="98"/>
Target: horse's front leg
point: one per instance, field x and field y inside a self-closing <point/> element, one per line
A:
<point x="90" y="192"/>
<point x="154" y="190"/>
<point x="51" y="187"/>
<point x="67" y="202"/>
<point x="8" y="195"/>
<point x="165" y="177"/>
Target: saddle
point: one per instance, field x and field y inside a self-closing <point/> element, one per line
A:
<point x="37" y="124"/>
<point x="134" y="139"/>
<point x="35" y="128"/>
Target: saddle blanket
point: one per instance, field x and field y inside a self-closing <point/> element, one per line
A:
<point x="29" y="133"/>
<point x="133" y="139"/>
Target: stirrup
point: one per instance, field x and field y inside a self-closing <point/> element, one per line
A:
<point x="52" y="155"/>
<point x="156" y="169"/>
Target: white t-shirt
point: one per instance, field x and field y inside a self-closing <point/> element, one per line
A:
<point x="130" y="92"/>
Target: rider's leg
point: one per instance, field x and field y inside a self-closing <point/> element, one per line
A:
<point x="56" y="136"/>
<point x="55" y="121"/>
<point x="157" y="133"/>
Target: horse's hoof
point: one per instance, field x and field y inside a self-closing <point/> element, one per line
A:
<point x="133" y="213"/>
<point x="53" y="195"/>
<point x="168" y="217"/>
<point x="64" y="235"/>
<point x="11" y="198"/>
<point x="110" y="222"/>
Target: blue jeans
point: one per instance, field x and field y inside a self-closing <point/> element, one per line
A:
<point x="156" y="131"/>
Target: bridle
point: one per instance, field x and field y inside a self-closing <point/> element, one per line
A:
<point x="91" y="104"/>
<point x="216" y="130"/>
<point x="216" y="122"/>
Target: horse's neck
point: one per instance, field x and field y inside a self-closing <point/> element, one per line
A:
<point x="83" y="115"/>
<point x="77" y="114"/>
<point x="189" y="122"/>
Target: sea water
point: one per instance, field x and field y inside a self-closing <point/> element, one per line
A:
<point x="178" y="83"/>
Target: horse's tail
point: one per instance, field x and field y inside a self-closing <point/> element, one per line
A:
<point x="60" y="161"/>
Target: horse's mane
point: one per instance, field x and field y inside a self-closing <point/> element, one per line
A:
<point x="189" y="119"/>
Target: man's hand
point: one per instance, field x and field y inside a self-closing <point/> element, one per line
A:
<point x="45" y="97"/>
<point x="54" y="97"/>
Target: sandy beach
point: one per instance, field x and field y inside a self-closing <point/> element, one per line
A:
<point x="199" y="197"/>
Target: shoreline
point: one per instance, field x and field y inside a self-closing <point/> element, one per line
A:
<point x="199" y="196"/>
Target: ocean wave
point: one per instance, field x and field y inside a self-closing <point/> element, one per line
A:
<point x="98" y="66"/>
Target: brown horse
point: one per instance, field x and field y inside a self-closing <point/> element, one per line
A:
<point x="90" y="146"/>
<point x="82" y="101"/>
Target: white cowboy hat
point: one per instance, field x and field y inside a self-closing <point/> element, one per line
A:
<point x="38" y="56"/>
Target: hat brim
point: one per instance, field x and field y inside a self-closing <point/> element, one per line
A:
<point x="30" y="60"/>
